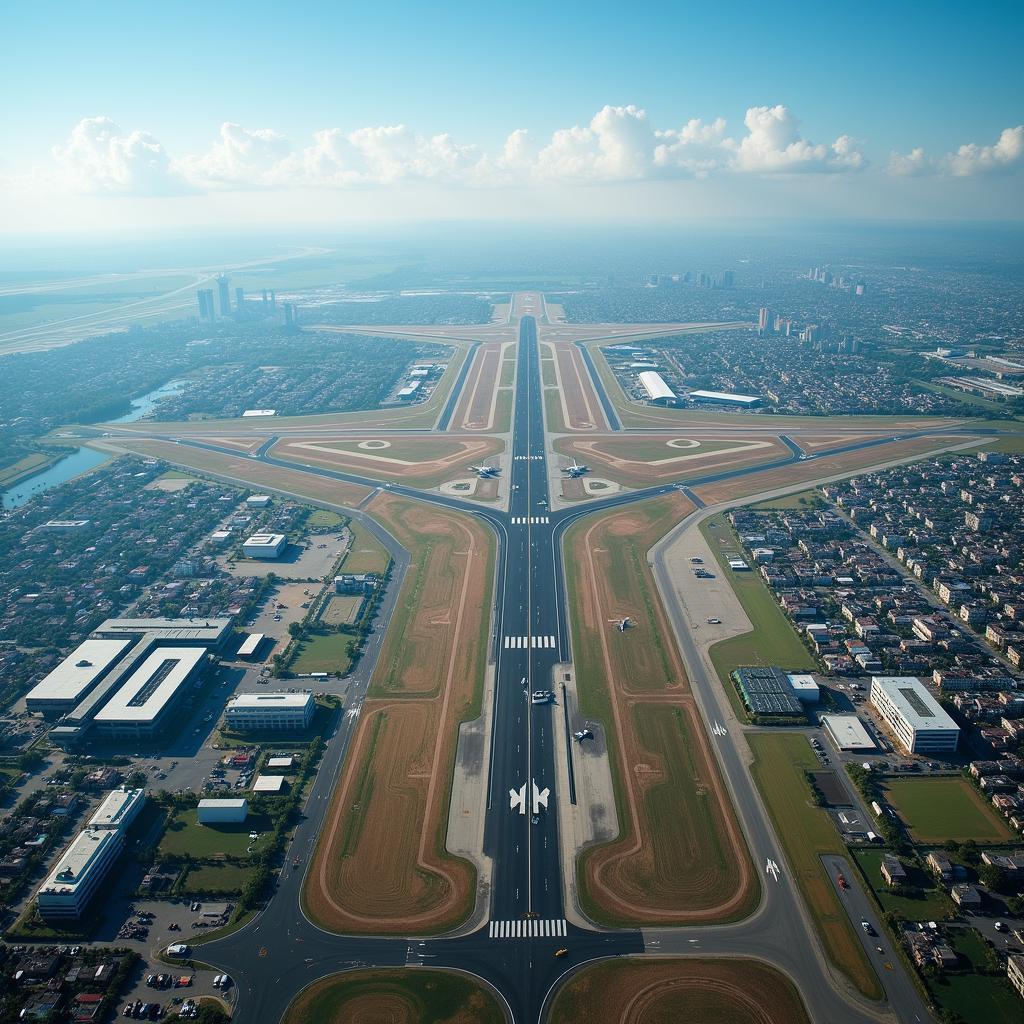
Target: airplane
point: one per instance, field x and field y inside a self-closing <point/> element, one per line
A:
<point x="583" y="734"/>
<point x="486" y="471"/>
<point x="575" y="470"/>
<point x="622" y="624"/>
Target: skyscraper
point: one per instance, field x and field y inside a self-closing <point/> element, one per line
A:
<point x="239" y="299"/>
<point x="764" y="318"/>
<point x="225" y="294"/>
<point x="204" y="311"/>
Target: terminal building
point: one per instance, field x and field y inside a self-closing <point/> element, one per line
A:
<point x="251" y="712"/>
<point x="265" y="545"/>
<point x="75" y="676"/>
<point x="142" y="704"/>
<point x="914" y="715"/>
<point x="658" y="392"/>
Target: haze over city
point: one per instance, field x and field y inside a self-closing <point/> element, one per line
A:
<point x="512" y="516"/>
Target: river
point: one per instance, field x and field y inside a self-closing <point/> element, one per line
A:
<point x="83" y="459"/>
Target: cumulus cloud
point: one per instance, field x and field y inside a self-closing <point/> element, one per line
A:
<point x="618" y="144"/>
<point x="99" y="158"/>
<point x="970" y="159"/>
<point x="773" y="144"/>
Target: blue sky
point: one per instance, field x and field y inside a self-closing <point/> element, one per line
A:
<point x="887" y="78"/>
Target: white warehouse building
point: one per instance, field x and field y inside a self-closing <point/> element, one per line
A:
<point x="211" y="811"/>
<point x="913" y="715"/>
<point x="657" y="390"/>
<point x="265" y="545"/>
<point x="257" y="711"/>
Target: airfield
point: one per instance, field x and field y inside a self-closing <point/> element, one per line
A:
<point x="456" y="823"/>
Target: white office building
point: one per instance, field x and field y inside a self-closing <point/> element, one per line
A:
<point x="62" y="689"/>
<point x="119" y="809"/>
<point x="265" y="545"/>
<point x="913" y="715"/>
<point x="256" y="711"/>
<point x="78" y="874"/>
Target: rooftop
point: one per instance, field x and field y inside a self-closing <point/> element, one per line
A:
<point x="79" y="670"/>
<point x="152" y="685"/>
<point x="78" y="859"/>
<point x="118" y="805"/>
<point x="655" y="386"/>
<point x="270" y="700"/>
<point x="917" y="706"/>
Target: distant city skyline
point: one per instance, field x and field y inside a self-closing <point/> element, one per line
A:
<point x="240" y="115"/>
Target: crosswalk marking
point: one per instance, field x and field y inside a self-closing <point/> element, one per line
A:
<point x="522" y="520"/>
<point x="532" y="927"/>
<point x="519" y="642"/>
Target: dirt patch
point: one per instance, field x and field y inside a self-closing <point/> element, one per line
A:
<point x="665" y="991"/>
<point x="798" y="472"/>
<point x="680" y="856"/>
<point x="476" y="407"/>
<point x="581" y="409"/>
<point x="381" y="865"/>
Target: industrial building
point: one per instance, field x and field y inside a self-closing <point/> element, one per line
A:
<point x="410" y="391"/>
<point x="258" y="500"/>
<point x="215" y="812"/>
<point x="913" y="715"/>
<point x="265" y="545"/>
<point x="180" y="632"/>
<point x="805" y="687"/>
<point x="725" y="398"/>
<point x="658" y="392"/>
<point x="249" y="712"/>
<point x="75" y="676"/>
<point x="847" y="732"/>
<point x="250" y="645"/>
<point x="141" y="706"/>
<point x="767" y="691"/>
<point x="271" y="784"/>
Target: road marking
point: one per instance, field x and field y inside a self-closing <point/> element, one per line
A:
<point x="771" y="868"/>
<point x="527" y="458"/>
<point x="530" y="928"/>
<point x="519" y="642"/>
<point x="719" y="730"/>
<point x="534" y="520"/>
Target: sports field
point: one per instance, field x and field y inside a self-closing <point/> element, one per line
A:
<point x="381" y="864"/>
<point x="422" y="996"/>
<point x="937" y="810"/>
<point x="670" y="991"/>
<point x="806" y="833"/>
<point x="680" y="856"/>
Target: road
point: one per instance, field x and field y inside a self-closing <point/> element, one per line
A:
<point x="281" y="950"/>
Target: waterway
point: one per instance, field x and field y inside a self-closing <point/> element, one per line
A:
<point x="83" y="459"/>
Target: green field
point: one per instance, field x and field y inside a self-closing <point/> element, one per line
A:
<point x="28" y="466"/>
<point x="228" y="879"/>
<point x="977" y="998"/>
<point x="423" y="996"/>
<point x="508" y="372"/>
<point x="932" y="905"/>
<point x="1012" y="445"/>
<point x="323" y="652"/>
<point x="773" y="641"/>
<point x="801" y="500"/>
<point x="806" y="833"/>
<point x="553" y="411"/>
<point x="365" y="554"/>
<point x="185" y="836"/>
<point x="324" y="519"/>
<point x="937" y="810"/>
<point x="547" y="373"/>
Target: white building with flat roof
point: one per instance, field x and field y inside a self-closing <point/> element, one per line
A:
<point x="913" y="714"/>
<point x="269" y="784"/>
<point x="725" y="398"/>
<point x="805" y="686"/>
<point x="250" y="644"/>
<point x="208" y="632"/>
<point x="847" y="732"/>
<point x="265" y="545"/>
<point x="255" y="711"/>
<point x="656" y="389"/>
<point x="119" y="809"/>
<point x="142" y="703"/>
<point x="213" y="811"/>
<point x="75" y="676"/>
<point x="78" y="873"/>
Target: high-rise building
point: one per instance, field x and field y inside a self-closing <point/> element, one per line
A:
<point x="289" y="315"/>
<point x="861" y="288"/>
<point x="764" y="318"/>
<point x="204" y="312"/>
<point x="273" y="299"/>
<point x="225" y="294"/>
<point x="265" y="300"/>
<point x="239" y="299"/>
<point x="728" y="278"/>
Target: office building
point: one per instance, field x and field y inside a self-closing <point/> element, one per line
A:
<point x="78" y="873"/>
<point x="239" y="299"/>
<point x="119" y="808"/>
<point x="913" y="715"/>
<point x="253" y="712"/>
<point x="224" y="294"/>
<point x="764" y="319"/>
<point x="265" y="545"/>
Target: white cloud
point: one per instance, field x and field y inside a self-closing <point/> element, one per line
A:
<point x="909" y="165"/>
<point x="239" y="157"/>
<point x="98" y="158"/>
<point x="974" y="159"/>
<point x="773" y="144"/>
<point x="619" y="144"/>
